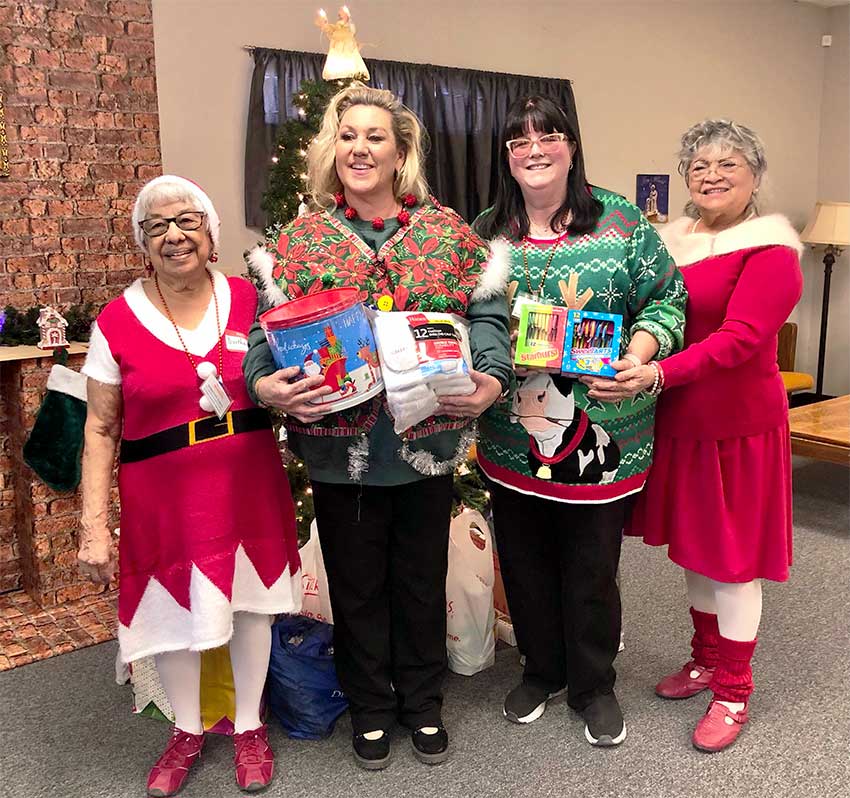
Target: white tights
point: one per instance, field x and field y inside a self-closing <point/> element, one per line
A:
<point x="250" y="646"/>
<point x="736" y="605"/>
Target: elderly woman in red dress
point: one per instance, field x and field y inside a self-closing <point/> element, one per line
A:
<point x="208" y="550"/>
<point x="719" y="493"/>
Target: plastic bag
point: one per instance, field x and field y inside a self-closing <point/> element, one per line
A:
<point x="316" y="599"/>
<point x="470" y="615"/>
<point x="303" y="691"/>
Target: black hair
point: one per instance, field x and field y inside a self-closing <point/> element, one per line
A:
<point x="507" y="215"/>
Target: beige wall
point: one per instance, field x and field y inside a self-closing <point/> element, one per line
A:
<point x="642" y="72"/>
<point x="833" y="184"/>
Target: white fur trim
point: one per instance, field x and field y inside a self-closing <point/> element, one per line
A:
<point x="494" y="280"/>
<point x="161" y="624"/>
<point x="192" y="189"/>
<point x="262" y="262"/>
<point x="65" y="380"/>
<point x="687" y="247"/>
<point x="198" y="341"/>
<point x="251" y="595"/>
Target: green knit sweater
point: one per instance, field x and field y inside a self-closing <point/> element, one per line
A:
<point x="548" y="438"/>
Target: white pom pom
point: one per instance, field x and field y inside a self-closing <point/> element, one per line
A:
<point x="206" y="404"/>
<point x="206" y="369"/>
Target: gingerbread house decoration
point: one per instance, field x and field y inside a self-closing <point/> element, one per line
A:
<point x="52" y="326"/>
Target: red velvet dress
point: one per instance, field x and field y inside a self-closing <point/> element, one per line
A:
<point x="719" y="491"/>
<point x="208" y="529"/>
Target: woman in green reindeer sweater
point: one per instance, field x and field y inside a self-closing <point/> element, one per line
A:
<point x="382" y="502"/>
<point x="562" y="462"/>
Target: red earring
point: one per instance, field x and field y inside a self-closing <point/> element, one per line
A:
<point x="148" y="267"/>
<point x="214" y="257"/>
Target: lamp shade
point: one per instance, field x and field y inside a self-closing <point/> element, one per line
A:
<point x="829" y="224"/>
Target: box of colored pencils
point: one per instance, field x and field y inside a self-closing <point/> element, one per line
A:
<point x="592" y="342"/>
<point x="540" y="339"/>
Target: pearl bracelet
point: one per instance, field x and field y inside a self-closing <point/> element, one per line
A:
<point x="658" y="382"/>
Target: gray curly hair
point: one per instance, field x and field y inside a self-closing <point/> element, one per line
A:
<point x="723" y="135"/>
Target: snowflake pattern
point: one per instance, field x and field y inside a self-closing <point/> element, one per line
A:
<point x="610" y="295"/>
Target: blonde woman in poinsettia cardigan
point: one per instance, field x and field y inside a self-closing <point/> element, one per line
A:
<point x="719" y="493"/>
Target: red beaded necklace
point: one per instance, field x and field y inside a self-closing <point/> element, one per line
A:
<point x="407" y="201"/>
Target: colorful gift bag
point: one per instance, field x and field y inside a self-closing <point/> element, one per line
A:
<point x="218" y="698"/>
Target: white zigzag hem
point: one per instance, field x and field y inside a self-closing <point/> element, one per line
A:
<point x="160" y="624"/>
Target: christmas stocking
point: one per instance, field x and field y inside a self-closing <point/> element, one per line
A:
<point x="55" y="444"/>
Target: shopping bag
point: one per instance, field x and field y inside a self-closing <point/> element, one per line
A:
<point x="470" y="615"/>
<point x="218" y="698"/>
<point x="316" y="601"/>
<point x="303" y="691"/>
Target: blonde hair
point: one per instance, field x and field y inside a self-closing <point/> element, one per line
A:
<point x="322" y="179"/>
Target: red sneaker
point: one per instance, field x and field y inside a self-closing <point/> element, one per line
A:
<point x="718" y="728"/>
<point x="689" y="681"/>
<point x="254" y="759"/>
<point x="170" y="771"/>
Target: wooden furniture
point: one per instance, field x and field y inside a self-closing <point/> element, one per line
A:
<point x="822" y="430"/>
<point x="786" y="354"/>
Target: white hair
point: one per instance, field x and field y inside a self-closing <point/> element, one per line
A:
<point x="165" y="189"/>
<point x="723" y="135"/>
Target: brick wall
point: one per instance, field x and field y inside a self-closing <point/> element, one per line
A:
<point x="10" y="570"/>
<point x="83" y="130"/>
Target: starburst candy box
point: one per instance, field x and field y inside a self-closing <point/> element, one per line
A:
<point x="540" y="338"/>
<point x="592" y="342"/>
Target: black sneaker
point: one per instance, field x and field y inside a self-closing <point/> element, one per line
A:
<point x="526" y="703"/>
<point x="604" y="725"/>
<point x="431" y="748"/>
<point x="372" y="754"/>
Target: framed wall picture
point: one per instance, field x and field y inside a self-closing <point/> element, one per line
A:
<point x="653" y="197"/>
<point x="4" y="146"/>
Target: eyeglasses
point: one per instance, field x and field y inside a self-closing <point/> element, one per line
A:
<point x="154" y="228"/>
<point x="521" y="148"/>
<point x="726" y="168"/>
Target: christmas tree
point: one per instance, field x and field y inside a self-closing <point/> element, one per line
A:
<point x="288" y="169"/>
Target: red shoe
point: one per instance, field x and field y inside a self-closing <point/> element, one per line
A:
<point x="689" y="681"/>
<point x="718" y="728"/>
<point x="254" y="759"/>
<point x="170" y="771"/>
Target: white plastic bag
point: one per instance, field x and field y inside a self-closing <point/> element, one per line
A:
<point x="469" y="595"/>
<point x="316" y="600"/>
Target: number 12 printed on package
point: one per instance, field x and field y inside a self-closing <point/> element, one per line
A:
<point x="592" y="343"/>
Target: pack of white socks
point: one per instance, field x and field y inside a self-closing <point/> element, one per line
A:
<point x="415" y="374"/>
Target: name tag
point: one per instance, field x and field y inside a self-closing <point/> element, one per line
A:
<point x="235" y="341"/>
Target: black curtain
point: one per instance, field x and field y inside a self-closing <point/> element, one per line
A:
<point x="462" y="110"/>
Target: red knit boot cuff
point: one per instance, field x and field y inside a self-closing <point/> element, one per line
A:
<point x="704" y="641"/>
<point x="733" y="676"/>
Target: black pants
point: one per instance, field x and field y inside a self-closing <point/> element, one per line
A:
<point x="386" y="551"/>
<point x="559" y="563"/>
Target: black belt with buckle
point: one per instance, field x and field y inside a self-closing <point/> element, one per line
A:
<point x="201" y="430"/>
